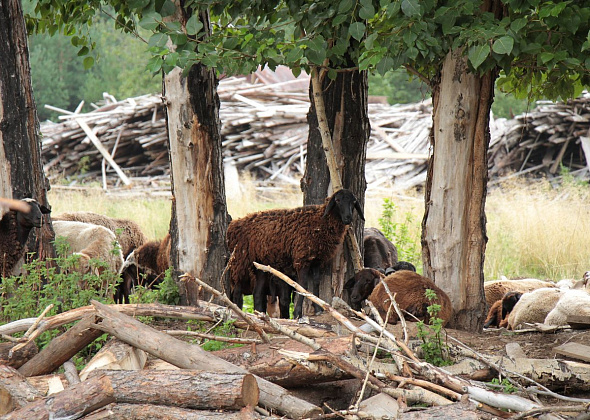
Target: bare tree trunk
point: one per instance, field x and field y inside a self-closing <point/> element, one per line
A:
<point x="346" y="106"/>
<point x="199" y="212"/>
<point x="454" y="225"/>
<point x="21" y="168"/>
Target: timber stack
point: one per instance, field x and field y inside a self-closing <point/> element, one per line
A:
<point x="264" y="133"/>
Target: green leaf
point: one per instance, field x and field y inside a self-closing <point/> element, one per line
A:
<point x="168" y="8"/>
<point x="503" y="45"/>
<point x="517" y="24"/>
<point x="83" y="51"/>
<point x="316" y="56"/>
<point x="339" y="20"/>
<point x="385" y="65"/>
<point x="478" y="54"/>
<point x="88" y="62"/>
<point x="137" y="4"/>
<point x="345" y="6"/>
<point x="194" y="25"/>
<point x="357" y="30"/>
<point x="411" y="8"/>
<point x="150" y="21"/>
<point x="158" y="40"/>
<point x="546" y="57"/>
<point x="332" y="74"/>
<point x="294" y="55"/>
<point x="367" y="12"/>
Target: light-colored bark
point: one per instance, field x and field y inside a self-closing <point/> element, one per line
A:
<point x="454" y="233"/>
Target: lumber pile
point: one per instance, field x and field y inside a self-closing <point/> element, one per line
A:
<point x="143" y="372"/>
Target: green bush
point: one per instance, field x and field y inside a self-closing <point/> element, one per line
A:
<point x="166" y="292"/>
<point x="406" y="242"/>
<point x="435" y="349"/>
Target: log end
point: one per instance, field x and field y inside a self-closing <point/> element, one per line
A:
<point x="250" y="391"/>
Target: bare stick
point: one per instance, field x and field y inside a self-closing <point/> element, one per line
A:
<point x="29" y="335"/>
<point x="231" y="305"/>
<point x="565" y="408"/>
<point x="401" y="317"/>
<point x="38" y="320"/>
<point x="289" y="332"/>
<point x="235" y="340"/>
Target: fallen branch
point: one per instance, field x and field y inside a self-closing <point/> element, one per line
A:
<point x="234" y="340"/>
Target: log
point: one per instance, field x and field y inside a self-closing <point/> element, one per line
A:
<point x="71" y="373"/>
<point x="62" y="348"/>
<point x="188" y="389"/>
<point x="270" y="364"/>
<point x="15" y="391"/>
<point x="459" y="411"/>
<point x="115" y="355"/>
<point x="189" y="356"/>
<point x="160" y="412"/>
<point x="43" y="384"/>
<point x="18" y="357"/>
<point x="379" y="406"/>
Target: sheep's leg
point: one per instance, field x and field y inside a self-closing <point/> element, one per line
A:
<point x="305" y="280"/>
<point x="284" y="299"/>
<point x="237" y="297"/>
<point x="314" y="275"/>
<point x="260" y="292"/>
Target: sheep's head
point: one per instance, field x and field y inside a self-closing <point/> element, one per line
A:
<point x="344" y="202"/>
<point x="34" y="217"/>
<point x="362" y="284"/>
<point x="508" y="301"/>
<point x="400" y="265"/>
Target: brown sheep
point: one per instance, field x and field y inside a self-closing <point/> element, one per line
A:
<point x="301" y="239"/>
<point x="495" y="290"/>
<point x="128" y="232"/>
<point x="379" y="252"/>
<point x="409" y="288"/>
<point x="498" y="313"/>
<point x="15" y="227"/>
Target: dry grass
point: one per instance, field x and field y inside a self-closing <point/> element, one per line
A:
<point x="533" y="230"/>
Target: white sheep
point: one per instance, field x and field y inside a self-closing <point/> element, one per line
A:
<point x="533" y="307"/>
<point x="572" y="302"/>
<point x="495" y="290"/>
<point x="90" y="241"/>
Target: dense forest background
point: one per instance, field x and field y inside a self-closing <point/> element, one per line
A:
<point x="61" y="79"/>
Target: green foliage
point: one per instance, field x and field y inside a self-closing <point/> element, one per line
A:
<point x="434" y="348"/>
<point x="506" y="386"/>
<point x="400" y="234"/>
<point x="399" y="87"/>
<point x="225" y="329"/>
<point x="166" y="292"/>
<point x="56" y="282"/>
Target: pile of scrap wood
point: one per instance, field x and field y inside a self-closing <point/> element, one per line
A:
<point x="264" y="132"/>
<point x="143" y="372"/>
<point x="551" y="136"/>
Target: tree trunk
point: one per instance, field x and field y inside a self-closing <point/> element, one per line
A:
<point x="21" y="168"/>
<point x="453" y="229"/>
<point x="346" y="105"/>
<point x="15" y="391"/>
<point x="199" y="213"/>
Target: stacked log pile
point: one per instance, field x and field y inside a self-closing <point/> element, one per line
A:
<point x="146" y="373"/>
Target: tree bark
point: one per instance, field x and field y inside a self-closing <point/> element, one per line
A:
<point x="199" y="212"/>
<point x="160" y="412"/>
<point x="15" y="391"/>
<point x="453" y="229"/>
<point x="346" y="105"/>
<point x="176" y="388"/>
<point x="21" y="167"/>
<point x="19" y="357"/>
<point x="189" y="356"/>
<point x="115" y="355"/>
<point x="62" y="348"/>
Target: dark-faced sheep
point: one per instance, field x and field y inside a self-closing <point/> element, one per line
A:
<point x="379" y="252"/>
<point x="409" y="288"/>
<point x="150" y="259"/>
<point x="494" y="290"/>
<point x="533" y="307"/>
<point x="129" y="233"/>
<point x="296" y="238"/>
<point x="498" y="313"/>
<point x="15" y="227"/>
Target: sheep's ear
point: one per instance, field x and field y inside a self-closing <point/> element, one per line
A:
<point x="357" y="206"/>
<point x="330" y="206"/>
<point x="349" y="284"/>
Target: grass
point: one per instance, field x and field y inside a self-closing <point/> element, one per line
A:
<point x="534" y="230"/>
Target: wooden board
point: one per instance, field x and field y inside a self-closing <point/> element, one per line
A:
<point x="575" y="350"/>
<point x="578" y="322"/>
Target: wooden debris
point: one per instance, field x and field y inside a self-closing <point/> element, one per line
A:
<point x="115" y="355"/>
<point x="578" y="322"/>
<point x="574" y="350"/>
<point x="15" y="391"/>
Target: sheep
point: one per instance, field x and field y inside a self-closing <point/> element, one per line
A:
<point x="497" y="315"/>
<point x="379" y="252"/>
<point x="151" y="258"/>
<point x="533" y="306"/>
<point x="90" y="241"/>
<point x="15" y="227"/>
<point x="400" y="265"/>
<point x="410" y="288"/>
<point x="297" y="239"/>
<point x="128" y="232"/>
<point x="494" y="290"/>
<point x="575" y="301"/>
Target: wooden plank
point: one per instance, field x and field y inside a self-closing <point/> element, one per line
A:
<point x="578" y="322"/>
<point x="575" y="350"/>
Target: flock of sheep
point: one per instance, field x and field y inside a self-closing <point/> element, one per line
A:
<point x="297" y="242"/>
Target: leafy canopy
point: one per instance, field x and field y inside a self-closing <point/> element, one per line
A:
<point x="541" y="47"/>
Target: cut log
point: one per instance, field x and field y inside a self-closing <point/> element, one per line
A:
<point x="15" y="391"/>
<point x="270" y="364"/>
<point x="71" y="373"/>
<point x="459" y="411"/>
<point x="115" y="355"/>
<point x="160" y="412"/>
<point x="62" y="348"/>
<point x="379" y="406"/>
<point x="187" y="389"/>
<point x="575" y="350"/>
<point x="42" y="383"/>
<point x="189" y="356"/>
<point x="19" y="357"/>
